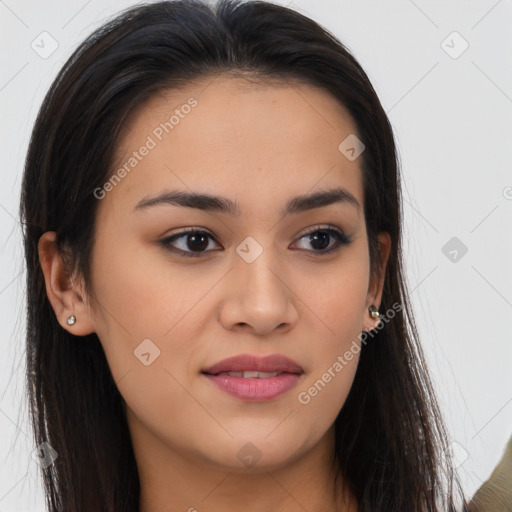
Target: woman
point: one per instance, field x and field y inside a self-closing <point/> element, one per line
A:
<point x="217" y="314"/>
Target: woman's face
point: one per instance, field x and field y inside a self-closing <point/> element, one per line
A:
<point x="262" y="275"/>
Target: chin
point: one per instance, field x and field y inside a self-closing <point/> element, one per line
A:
<point x="258" y="453"/>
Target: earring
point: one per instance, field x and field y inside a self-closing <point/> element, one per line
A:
<point x="71" y="320"/>
<point x="374" y="311"/>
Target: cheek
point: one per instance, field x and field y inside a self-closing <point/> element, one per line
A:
<point x="323" y="394"/>
<point x="335" y="294"/>
<point x="142" y="294"/>
<point x="145" y="313"/>
<point x="149" y="323"/>
<point x="336" y="301"/>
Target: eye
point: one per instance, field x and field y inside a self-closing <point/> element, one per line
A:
<point x="321" y="237"/>
<point x="192" y="242"/>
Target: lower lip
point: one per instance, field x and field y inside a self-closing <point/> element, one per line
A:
<point x="255" y="390"/>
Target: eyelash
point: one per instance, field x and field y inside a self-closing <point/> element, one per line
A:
<point x="341" y="240"/>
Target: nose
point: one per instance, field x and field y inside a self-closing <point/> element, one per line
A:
<point x="258" y="297"/>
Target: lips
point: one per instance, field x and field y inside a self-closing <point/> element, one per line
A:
<point x="255" y="366"/>
<point x="255" y="378"/>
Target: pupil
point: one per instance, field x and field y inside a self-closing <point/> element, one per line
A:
<point x="320" y="240"/>
<point x="323" y="236"/>
<point x="199" y="241"/>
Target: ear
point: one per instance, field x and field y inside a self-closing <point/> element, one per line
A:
<point x="66" y="297"/>
<point x="376" y="286"/>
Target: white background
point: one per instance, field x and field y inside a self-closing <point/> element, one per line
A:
<point x="452" y="118"/>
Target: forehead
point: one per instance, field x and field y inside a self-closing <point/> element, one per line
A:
<point x="228" y="133"/>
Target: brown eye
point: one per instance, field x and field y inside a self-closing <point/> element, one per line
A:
<point x="195" y="242"/>
<point x="320" y="239"/>
<point x="192" y="242"/>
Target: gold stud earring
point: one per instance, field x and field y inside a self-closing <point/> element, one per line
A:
<point x="374" y="311"/>
<point x="71" y="320"/>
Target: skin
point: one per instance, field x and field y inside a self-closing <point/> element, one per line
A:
<point x="259" y="145"/>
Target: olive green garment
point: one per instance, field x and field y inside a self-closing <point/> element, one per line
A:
<point x="495" y="494"/>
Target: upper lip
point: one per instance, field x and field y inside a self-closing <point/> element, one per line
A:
<point x="248" y="362"/>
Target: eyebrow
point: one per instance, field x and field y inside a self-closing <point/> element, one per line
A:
<point x="226" y="206"/>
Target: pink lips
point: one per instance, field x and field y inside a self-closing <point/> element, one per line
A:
<point x="255" y="389"/>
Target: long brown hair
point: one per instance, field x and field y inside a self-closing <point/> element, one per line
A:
<point x="390" y="438"/>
